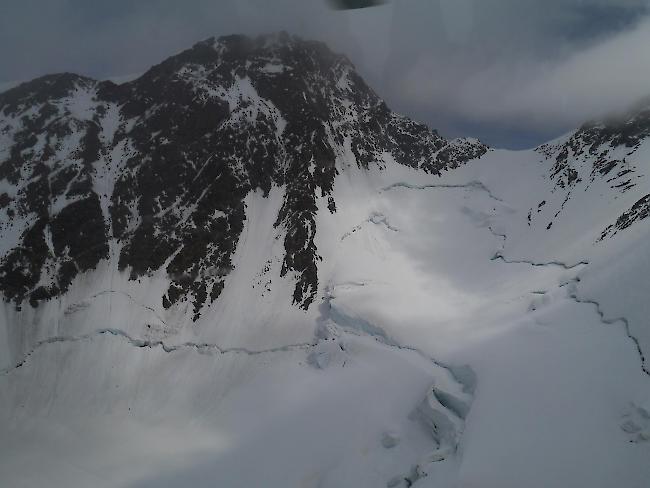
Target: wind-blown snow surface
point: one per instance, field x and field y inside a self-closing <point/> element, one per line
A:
<point x="453" y="344"/>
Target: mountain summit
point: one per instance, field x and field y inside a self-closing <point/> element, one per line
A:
<point x="160" y="166"/>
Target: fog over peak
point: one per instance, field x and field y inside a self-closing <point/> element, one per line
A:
<point x="511" y="72"/>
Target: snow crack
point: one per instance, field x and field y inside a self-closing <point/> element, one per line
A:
<point x="499" y="256"/>
<point x="610" y="321"/>
<point x="478" y="185"/>
<point x="74" y="307"/>
<point x="441" y="413"/>
<point x="473" y="185"/>
<point x="374" y="218"/>
<point x="203" y="348"/>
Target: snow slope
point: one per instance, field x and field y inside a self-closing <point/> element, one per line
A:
<point x="558" y="373"/>
<point x="408" y="274"/>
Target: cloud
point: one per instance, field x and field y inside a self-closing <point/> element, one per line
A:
<point x="468" y="67"/>
<point x="544" y="95"/>
<point x="602" y="79"/>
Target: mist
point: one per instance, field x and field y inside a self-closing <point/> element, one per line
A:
<point x="510" y="72"/>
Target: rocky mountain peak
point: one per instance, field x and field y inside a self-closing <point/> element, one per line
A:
<point x="157" y="169"/>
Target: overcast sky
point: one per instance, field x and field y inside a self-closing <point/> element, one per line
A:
<point x="511" y="72"/>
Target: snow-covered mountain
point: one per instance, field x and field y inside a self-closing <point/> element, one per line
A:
<point x="243" y="269"/>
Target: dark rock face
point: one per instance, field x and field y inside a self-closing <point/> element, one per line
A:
<point x="596" y="141"/>
<point x="599" y="151"/>
<point x="160" y="167"/>
<point x="53" y="243"/>
<point x="639" y="211"/>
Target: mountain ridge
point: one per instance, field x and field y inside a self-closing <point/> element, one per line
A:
<point x="201" y="106"/>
